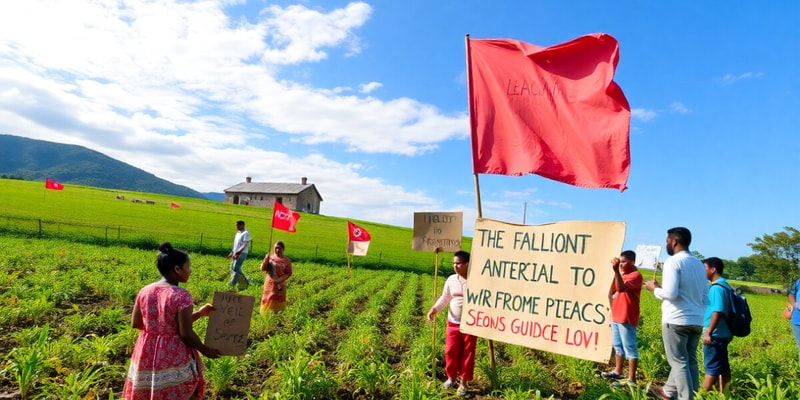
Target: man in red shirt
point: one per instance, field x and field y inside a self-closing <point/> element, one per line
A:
<point x="624" y="297"/>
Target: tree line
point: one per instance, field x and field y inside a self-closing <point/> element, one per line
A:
<point x="775" y="259"/>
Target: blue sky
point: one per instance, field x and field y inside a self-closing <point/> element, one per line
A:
<point x="368" y="100"/>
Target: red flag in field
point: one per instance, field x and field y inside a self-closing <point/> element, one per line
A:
<point x="174" y="205"/>
<point x="551" y="111"/>
<point x="283" y="218"/>
<point x="359" y="240"/>
<point x="53" y="185"/>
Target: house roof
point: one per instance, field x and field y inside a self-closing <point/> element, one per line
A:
<point x="272" y="188"/>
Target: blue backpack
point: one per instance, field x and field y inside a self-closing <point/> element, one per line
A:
<point x="738" y="316"/>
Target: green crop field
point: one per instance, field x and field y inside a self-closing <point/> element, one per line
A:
<point x="66" y="298"/>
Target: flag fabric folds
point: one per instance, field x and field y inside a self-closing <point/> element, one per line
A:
<point x="359" y="240"/>
<point x="551" y="111"/>
<point x="283" y="218"/>
<point x="53" y="185"/>
<point x="174" y="205"/>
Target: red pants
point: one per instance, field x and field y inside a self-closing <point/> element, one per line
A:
<point x="459" y="353"/>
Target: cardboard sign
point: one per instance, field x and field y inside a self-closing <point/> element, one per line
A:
<point x="229" y="324"/>
<point x="544" y="286"/>
<point x="442" y="229"/>
<point x="647" y="256"/>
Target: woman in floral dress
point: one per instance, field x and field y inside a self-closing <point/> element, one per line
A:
<point x="279" y="269"/>
<point x="165" y="364"/>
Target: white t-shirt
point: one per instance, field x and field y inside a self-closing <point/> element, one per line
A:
<point x="453" y="294"/>
<point x="241" y="239"/>
<point x="684" y="290"/>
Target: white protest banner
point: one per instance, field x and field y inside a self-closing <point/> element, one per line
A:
<point x="544" y="286"/>
<point x="438" y="229"/>
<point x="647" y="256"/>
<point x="229" y="324"/>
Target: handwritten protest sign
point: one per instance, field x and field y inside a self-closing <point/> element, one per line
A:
<point x="647" y="256"/>
<point x="442" y="229"/>
<point x="229" y="324"/>
<point x="544" y="286"/>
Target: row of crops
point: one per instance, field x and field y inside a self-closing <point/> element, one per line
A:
<point x="65" y="334"/>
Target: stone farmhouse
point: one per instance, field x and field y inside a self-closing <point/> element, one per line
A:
<point x="294" y="196"/>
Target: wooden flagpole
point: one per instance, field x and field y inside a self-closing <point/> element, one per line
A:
<point x="271" y="228"/>
<point x="478" y="211"/>
<point x="349" y="256"/>
<point x="433" y="335"/>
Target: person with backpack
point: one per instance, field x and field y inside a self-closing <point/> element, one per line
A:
<point x="795" y="318"/>
<point x="716" y="330"/>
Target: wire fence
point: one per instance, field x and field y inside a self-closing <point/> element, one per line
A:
<point x="324" y="250"/>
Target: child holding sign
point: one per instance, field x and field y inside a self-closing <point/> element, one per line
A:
<point x="165" y="363"/>
<point x="459" y="353"/>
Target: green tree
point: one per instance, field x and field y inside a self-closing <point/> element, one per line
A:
<point x="741" y="269"/>
<point x="777" y="256"/>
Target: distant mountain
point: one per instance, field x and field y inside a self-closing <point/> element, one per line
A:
<point x="214" y="196"/>
<point x="35" y="160"/>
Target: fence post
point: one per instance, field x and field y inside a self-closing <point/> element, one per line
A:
<point x="380" y="257"/>
<point x="201" y="243"/>
<point x="106" y="235"/>
<point x="316" y="251"/>
<point x="118" y="232"/>
<point x="40" y="227"/>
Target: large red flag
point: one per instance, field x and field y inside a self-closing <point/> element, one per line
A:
<point x="283" y="218"/>
<point x="551" y="111"/>
<point x="358" y="245"/>
<point x="53" y="185"/>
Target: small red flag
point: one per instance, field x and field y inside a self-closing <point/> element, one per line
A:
<point x="551" y="111"/>
<point x="53" y="185"/>
<point x="358" y="244"/>
<point x="283" y="218"/>
<point x="357" y="233"/>
<point x="174" y="205"/>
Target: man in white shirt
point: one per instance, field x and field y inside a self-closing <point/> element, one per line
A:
<point x="684" y="295"/>
<point x="239" y="253"/>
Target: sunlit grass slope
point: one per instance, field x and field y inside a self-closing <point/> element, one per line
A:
<point x="99" y="213"/>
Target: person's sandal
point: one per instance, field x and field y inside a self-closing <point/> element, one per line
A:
<point x="611" y="375"/>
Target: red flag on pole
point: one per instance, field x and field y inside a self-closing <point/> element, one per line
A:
<point x="357" y="233"/>
<point x="283" y="218"/>
<point x="53" y="185"/>
<point x="174" y="205"/>
<point x="551" y="111"/>
<point x="359" y="240"/>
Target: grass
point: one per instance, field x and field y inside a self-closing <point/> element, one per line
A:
<point x="96" y="216"/>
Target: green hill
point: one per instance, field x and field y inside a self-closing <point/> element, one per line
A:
<point x="35" y="160"/>
<point x="101" y="216"/>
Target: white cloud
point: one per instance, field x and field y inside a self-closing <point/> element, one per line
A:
<point x="678" y="107"/>
<point x="369" y="87"/>
<point x="730" y="79"/>
<point x="301" y="32"/>
<point x="643" y="114"/>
